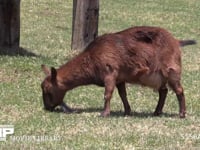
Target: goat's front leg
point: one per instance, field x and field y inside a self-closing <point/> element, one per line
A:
<point x="109" y="88"/>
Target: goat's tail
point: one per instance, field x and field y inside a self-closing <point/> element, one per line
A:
<point x="186" y="42"/>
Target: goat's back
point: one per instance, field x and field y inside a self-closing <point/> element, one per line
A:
<point x="141" y="55"/>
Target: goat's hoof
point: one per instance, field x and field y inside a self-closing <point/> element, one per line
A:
<point x="182" y="115"/>
<point x="105" y="114"/>
<point x="128" y="113"/>
<point x="157" y="113"/>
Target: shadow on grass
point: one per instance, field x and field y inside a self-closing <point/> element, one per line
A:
<point x="16" y="52"/>
<point x="140" y="114"/>
<point x="120" y="113"/>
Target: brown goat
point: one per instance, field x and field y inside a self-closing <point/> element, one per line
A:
<point x="148" y="56"/>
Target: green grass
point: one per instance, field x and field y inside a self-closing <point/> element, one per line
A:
<point x="46" y="33"/>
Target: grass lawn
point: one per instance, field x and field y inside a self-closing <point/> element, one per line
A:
<point x="45" y="39"/>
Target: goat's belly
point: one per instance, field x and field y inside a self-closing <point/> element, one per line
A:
<point x="153" y="80"/>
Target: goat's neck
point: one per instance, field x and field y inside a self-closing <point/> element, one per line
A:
<point x="77" y="72"/>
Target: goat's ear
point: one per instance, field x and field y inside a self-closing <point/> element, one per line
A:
<point x="46" y="70"/>
<point x="53" y="74"/>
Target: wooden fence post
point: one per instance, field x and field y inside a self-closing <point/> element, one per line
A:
<point x="9" y="23"/>
<point x="85" y="23"/>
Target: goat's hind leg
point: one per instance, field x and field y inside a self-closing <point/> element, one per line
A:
<point x="122" y="93"/>
<point x="175" y="84"/>
<point x="162" y="97"/>
<point x="178" y="89"/>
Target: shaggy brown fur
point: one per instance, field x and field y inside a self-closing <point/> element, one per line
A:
<point x="148" y="56"/>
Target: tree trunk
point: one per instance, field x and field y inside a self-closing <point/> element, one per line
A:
<point x="85" y="23"/>
<point x="9" y="23"/>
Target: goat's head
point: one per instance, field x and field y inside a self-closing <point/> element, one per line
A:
<point x="52" y="91"/>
